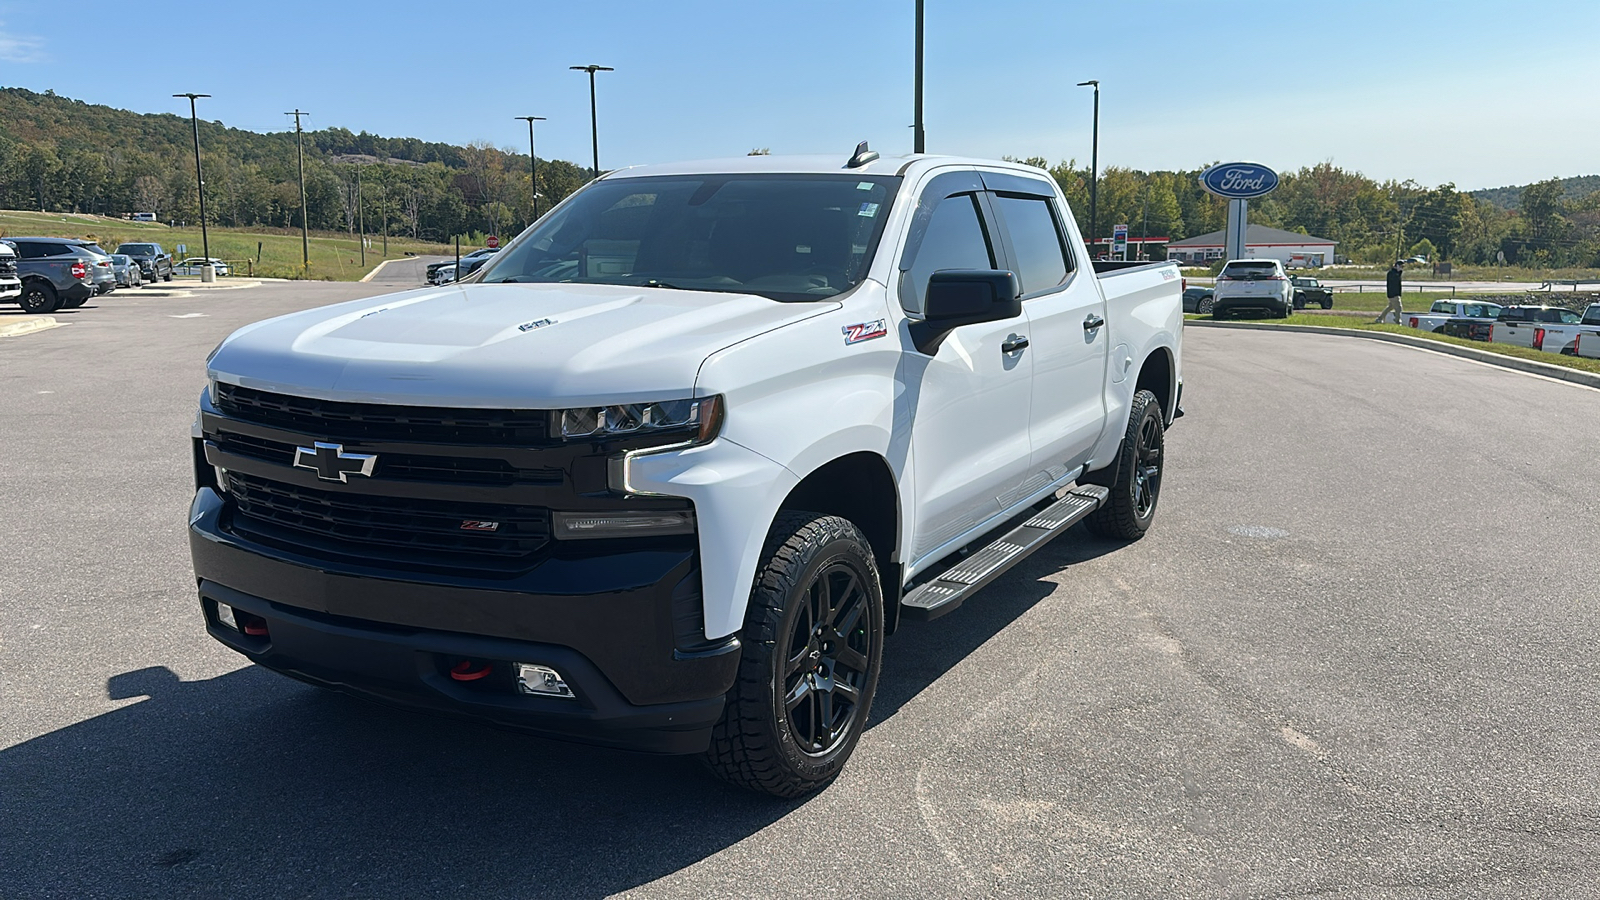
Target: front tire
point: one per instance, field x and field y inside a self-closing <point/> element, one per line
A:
<point x="1130" y="509"/>
<point x="813" y="647"/>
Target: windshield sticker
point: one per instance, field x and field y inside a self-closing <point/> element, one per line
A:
<point x="537" y="323"/>
<point x="863" y="331"/>
<point x="863" y="185"/>
<point x="868" y="209"/>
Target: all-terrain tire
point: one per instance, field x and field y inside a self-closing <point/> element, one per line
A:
<point x="810" y="663"/>
<point x="1327" y="304"/>
<point x="39" y="297"/>
<point x="1135" y="481"/>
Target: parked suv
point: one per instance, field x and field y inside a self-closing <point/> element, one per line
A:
<point x="1259" y="285"/>
<point x="154" y="262"/>
<point x="56" y="273"/>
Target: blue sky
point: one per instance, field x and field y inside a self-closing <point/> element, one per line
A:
<point x="1482" y="94"/>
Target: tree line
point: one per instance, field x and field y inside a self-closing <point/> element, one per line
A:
<point x="64" y="155"/>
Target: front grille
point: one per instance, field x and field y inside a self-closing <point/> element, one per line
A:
<point x="415" y="533"/>
<point x="8" y="265"/>
<point x="403" y="466"/>
<point x="382" y="422"/>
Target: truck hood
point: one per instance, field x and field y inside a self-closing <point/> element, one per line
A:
<point x="508" y="346"/>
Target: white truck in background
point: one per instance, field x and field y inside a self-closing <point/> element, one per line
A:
<point x="10" y="284"/>
<point x="1587" y="344"/>
<point x="1551" y="329"/>
<point x="668" y="469"/>
<point x="1444" y="311"/>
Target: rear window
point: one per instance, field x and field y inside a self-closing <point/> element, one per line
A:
<point x="138" y="249"/>
<point x="1250" y="270"/>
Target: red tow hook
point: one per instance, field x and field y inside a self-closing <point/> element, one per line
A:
<point x="467" y="670"/>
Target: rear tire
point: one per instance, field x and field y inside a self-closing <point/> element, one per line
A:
<point x="1327" y="304"/>
<point x="813" y="646"/>
<point x="1205" y="306"/>
<point x="1136" y="487"/>
<point x="38" y="297"/>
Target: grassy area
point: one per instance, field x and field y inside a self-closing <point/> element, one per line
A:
<point x="1376" y="301"/>
<point x="274" y="253"/>
<point x="1416" y="272"/>
<point x="1327" y="321"/>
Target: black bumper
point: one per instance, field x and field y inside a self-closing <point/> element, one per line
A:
<point x="605" y="622"/>
<point x="79" y="291"/>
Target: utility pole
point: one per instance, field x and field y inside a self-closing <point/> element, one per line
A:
<point x="533" y="164"/>
<point x="594" y="124"/>
<point x="200" y="182"/>
<point x="919" y="140"/>
<point x="1144" y="227"/>
<point x="300" y="154"/>
<point x="1094" y="169"/>
<point x="385" y="208"/>
<point x="361" y="216"/>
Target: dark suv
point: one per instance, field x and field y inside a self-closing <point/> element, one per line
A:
<point x="154" y="263"/>
<point x="56" y="273"/>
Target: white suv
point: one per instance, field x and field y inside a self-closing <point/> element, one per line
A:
<point x="1253" y="284"/>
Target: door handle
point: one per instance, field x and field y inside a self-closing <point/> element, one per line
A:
<point x="1092" y="322"/>
<point x="1012" y="345"/>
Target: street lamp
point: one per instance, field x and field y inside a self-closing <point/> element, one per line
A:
<point x="918" y="136"/>
<point x="594" y="126"/>
<point x="300" y="154"/>
<point x="533" y="163"/>
<point x="1094" y="169"/>
<point x="200" y="182"/>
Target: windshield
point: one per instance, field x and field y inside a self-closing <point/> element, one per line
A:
<point x="784" y="237"/>
<point x="1249" y="271"/>
<point x="138" y="249"/>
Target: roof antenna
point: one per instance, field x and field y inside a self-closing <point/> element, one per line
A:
<point x="862" y="156"/>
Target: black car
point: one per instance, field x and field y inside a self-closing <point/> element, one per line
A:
<point x="1308" y="291"/>
<point x="155" y="263"/>
<point x="56" y="273"/>
<point x="1197" y="300"/>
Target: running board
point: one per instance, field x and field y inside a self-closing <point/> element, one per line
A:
<point x="946" y="592"/>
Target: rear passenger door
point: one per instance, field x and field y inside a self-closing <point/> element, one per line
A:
<point x="968" y="401"/>
<point x="1067" y="316"/>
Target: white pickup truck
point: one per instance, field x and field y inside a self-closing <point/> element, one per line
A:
<point x="10" y="284"/>
<point x="1587" y="343"/>
<point x="668" y="469"/>
<point x="1444" y="311"/>
<point x="1548" y="328"/>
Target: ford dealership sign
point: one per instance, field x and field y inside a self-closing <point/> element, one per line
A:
<point x="1239" y="181"/>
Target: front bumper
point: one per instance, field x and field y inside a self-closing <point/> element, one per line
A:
<point x="606" y="621"/>
<point x="10" y="287"/>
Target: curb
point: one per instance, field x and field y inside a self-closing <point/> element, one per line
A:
<point x="28" y="326"/>
<point x="379" y="268"/>
<point x="1560" y="373"/>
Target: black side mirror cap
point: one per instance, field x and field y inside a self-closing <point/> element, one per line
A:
<point x="957" y="297"/>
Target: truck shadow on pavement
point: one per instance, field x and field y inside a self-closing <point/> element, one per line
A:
<point x="249" y="784"/>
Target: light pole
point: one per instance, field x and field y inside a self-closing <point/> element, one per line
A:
<point x="533" y="164"/>
<point x="200" y="182"/>
<point x="1094" y="169"/>
<point x="361" y="216"/>
<point x="300" y="155"/>
<point x="919" y="143"/>
<point x="594" y="125"/>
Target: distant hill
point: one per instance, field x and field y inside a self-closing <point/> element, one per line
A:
<point x="1511" y="197"/>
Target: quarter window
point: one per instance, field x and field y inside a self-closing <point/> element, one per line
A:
<point x="955" y="239"/>
<point x="1041" y="257"/>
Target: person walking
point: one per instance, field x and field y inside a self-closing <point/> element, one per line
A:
<point x="1394" y="297"/>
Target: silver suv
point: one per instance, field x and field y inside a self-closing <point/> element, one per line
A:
<point x="1257" y="285"/>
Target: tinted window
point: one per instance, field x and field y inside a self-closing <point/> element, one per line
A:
<point x="1041" y="258"/>
<point x="785" y="237"/>
<point x="955" y="239"/>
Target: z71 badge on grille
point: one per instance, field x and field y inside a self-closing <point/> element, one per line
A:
<point x="475" y="525"/>
<point x="864" y="331"/>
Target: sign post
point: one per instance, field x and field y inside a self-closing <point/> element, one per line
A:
<point x="1237" y="183"/>
<point x="1119" y="242"/>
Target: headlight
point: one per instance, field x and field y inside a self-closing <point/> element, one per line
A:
<point x="698" y="419"/>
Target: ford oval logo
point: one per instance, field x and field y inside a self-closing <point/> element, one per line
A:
<point x="1239" y="181"/>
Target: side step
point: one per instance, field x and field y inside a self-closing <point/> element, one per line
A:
<point x="946" y="592"/>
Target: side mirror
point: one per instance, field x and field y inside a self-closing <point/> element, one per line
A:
<point x="957" y="297"/>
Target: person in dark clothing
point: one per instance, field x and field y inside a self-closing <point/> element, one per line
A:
<point x="1394" y="297"/>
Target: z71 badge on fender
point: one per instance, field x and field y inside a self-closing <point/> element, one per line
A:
<point x="864" y="331"/>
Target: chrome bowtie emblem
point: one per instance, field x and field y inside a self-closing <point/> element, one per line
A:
<point x="331" y="463"/>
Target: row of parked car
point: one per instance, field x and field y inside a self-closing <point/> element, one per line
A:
<point x="445" y="272"/>
<point x="1551" y="329"/>
<point x="1256" y="285"/>
<point x="44" y="274"/>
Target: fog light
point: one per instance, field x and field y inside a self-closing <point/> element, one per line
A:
<point x="225" y="616"/>
<point x="576" y="526"/>
<point x="541" y="680"/>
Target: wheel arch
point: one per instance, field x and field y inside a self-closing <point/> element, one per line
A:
<point x="1158" y="375"/>
<point x="860" y="487"/>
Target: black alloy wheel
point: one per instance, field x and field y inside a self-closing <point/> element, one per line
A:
<point x="812" y="649"/>
<point x="1135" y="480"/>
<point x="1146" y="485"/>
<point x="38" y="297"/>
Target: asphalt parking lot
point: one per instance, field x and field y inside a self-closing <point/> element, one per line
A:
<point x="1356" y="656"/>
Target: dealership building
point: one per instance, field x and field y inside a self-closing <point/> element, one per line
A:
<point x="1293" y="249"/>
